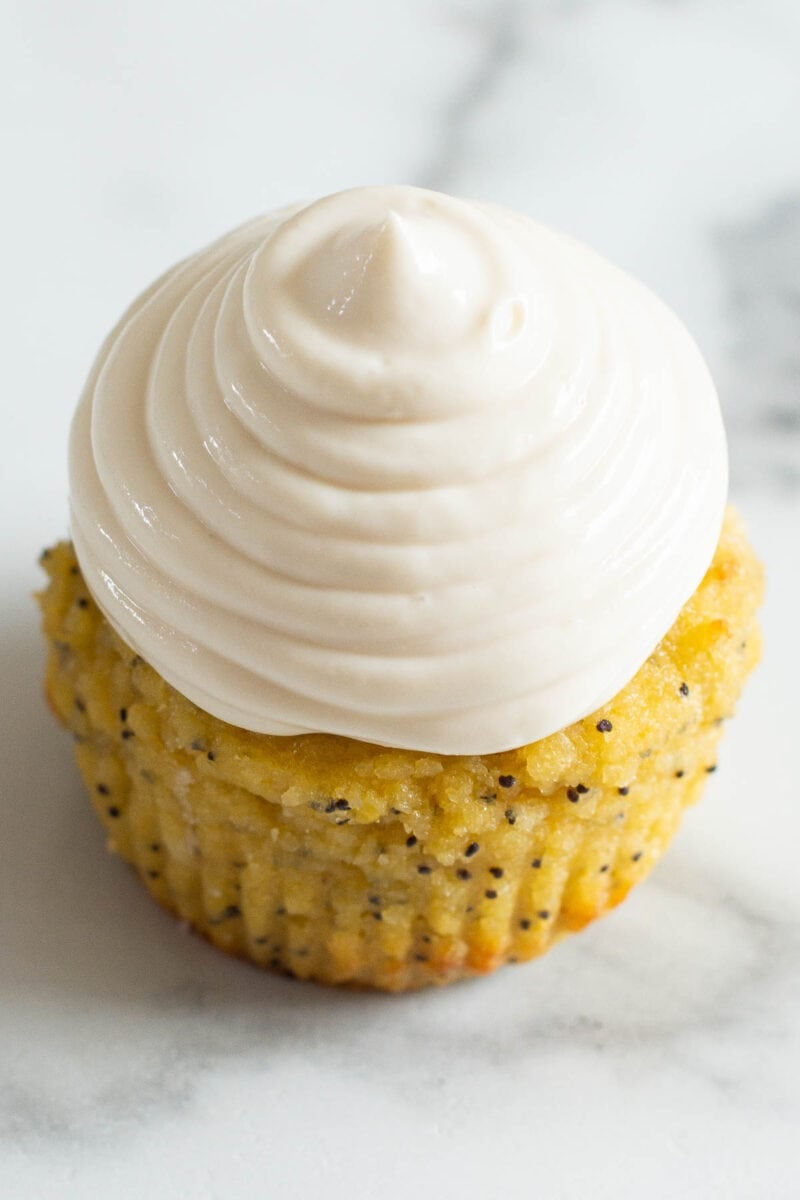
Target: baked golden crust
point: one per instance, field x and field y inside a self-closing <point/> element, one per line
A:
<point x="345" y="862"/>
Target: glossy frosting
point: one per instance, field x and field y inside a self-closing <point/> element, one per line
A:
<point x="398" y="467"/>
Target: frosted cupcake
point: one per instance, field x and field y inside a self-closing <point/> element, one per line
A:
<point x="402" y="612"/>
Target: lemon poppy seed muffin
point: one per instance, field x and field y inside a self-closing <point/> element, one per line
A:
<point x="346" y="862"/>
<point x="402" y="610"/>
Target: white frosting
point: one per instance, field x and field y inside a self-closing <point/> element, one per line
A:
<point x="398" y="467"/>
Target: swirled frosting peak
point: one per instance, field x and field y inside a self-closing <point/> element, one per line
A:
<point x="398" y="467"/>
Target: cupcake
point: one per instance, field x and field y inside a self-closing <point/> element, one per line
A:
<point x="403" y="608"/>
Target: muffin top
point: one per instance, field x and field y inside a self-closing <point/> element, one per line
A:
<point x="400" y="467"/>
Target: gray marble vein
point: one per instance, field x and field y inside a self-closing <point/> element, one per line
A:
<point x="499" y="30"/>
<point x="760" y="266"/>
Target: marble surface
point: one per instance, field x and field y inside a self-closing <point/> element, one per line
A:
<point x="656" y="1055"/>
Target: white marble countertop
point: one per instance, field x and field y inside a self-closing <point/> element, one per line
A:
<point x="656" y="1055"/>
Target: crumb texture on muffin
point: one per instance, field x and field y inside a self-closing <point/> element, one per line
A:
<point x="344" y="862"/>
